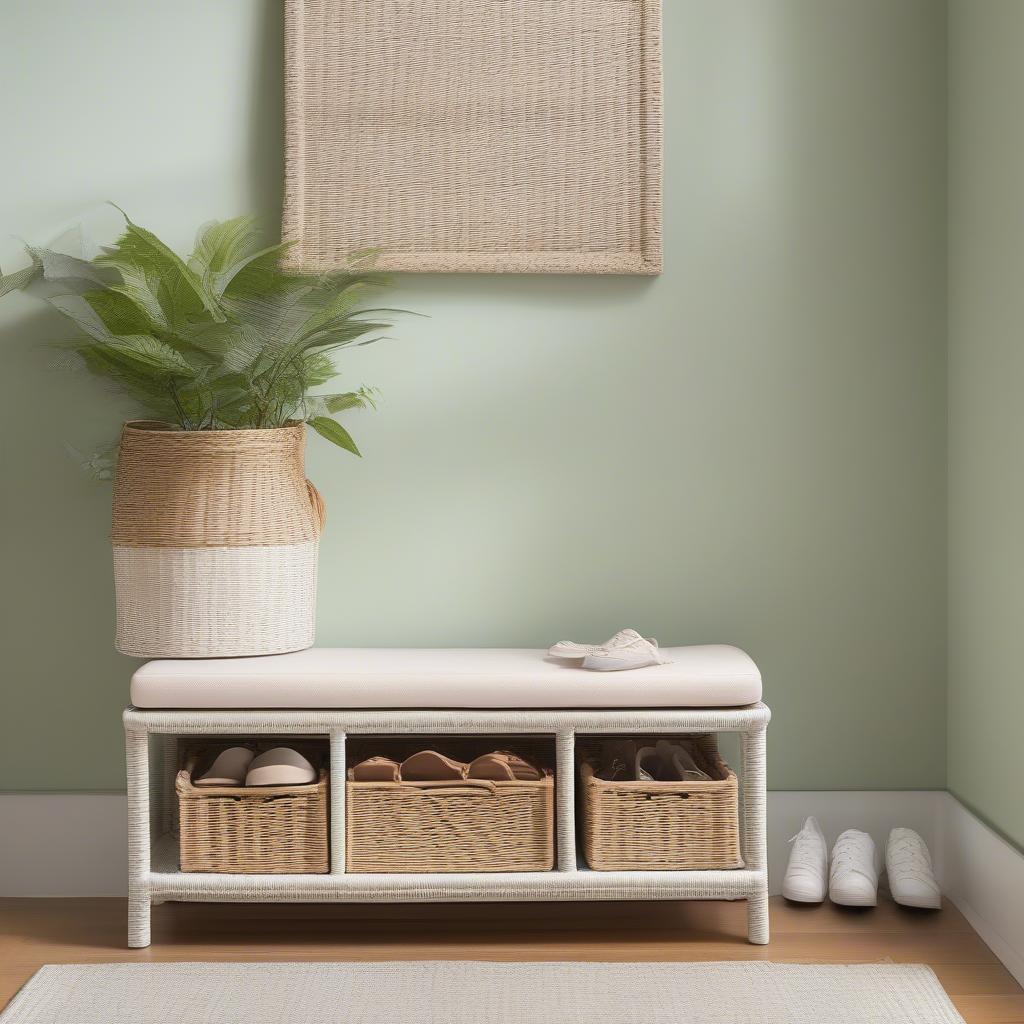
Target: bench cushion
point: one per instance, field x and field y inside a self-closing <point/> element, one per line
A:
<point x="343" y="677"/>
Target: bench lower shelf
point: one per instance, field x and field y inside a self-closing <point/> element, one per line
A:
<point x="166" y="882"/>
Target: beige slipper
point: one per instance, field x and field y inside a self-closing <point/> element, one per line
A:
<point x="376" y="769"/>
<point x="280" y="766"/>
<point x="503" y="766"/>
<point x="228" y="769"/>
<point x="430" y="766"/>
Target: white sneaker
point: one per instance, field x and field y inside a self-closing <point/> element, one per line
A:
<point x="638" y="653"/>
<point x="806" y="878"/>
<point x="909" y="867"/>
<point x="574" y="652"/>
<point x="853" y="880"/>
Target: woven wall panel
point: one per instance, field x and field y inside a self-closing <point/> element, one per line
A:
<point x="475" y="135"/>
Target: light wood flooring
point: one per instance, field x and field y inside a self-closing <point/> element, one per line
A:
<point x="40" y="931"/>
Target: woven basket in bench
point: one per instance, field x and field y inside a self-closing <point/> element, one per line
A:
<point x="215" y="538"/>
<point x="663" y="826"/>
<point x="471" y="825"/>
<point x="255" y="830"/>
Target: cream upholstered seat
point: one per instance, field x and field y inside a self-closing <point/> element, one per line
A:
<point x="714" y="675"/>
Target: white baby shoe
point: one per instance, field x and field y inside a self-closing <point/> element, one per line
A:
<point x="853" y="880"/>
<point x="807" y="872"/>
<point x="574" y="651"/>
<point x="909" y="867"/>
<point x="638" y="653"/>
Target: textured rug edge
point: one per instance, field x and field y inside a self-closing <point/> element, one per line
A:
<point x="923" y="985"/>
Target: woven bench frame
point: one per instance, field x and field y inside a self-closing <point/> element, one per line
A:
<point x="151" y="742"/>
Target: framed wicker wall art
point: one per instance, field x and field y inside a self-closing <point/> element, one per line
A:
<point x="475" y="135"/>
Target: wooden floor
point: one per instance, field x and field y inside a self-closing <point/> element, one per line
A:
<point x="35" y="932"/>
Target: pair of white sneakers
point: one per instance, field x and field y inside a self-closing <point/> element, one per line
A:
<point x="852" y="877"/>
<point x="626" y="650"/>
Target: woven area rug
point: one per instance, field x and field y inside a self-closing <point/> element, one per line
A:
<point x="448" y="992"/>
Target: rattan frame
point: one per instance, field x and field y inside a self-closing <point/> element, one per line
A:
<point x="152" y="851"/>
<point x="504" y="136"/>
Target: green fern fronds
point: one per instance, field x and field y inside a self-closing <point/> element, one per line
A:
<point x="222" y="339"/>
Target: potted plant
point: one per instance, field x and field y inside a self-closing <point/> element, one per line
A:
<point x="215" y="527"/>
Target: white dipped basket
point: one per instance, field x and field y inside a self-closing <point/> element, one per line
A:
<point x="215" y="537"/>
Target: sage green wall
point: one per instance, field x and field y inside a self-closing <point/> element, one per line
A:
<point x="748" y="449"/>
<point x="986" y="412"/>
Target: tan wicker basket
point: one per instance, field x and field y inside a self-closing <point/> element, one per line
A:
<point x="259" y="830"/>
<point x="663" y="826"/>
<point x="215" y="536"/>
<point x="471" y="825"/>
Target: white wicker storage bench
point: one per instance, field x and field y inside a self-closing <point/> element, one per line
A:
<point x="337" y="693"/>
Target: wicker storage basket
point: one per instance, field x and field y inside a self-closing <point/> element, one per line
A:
<point x="663" y="826"/>
<point x="472" y="825"/>
<point x="259" y="830"/>
<point x="215" y="542"/>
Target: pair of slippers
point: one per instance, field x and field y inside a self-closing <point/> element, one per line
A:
<point x="431" y="766"/>
<point x="626" y="650"/>
<point x="242" y="766"/>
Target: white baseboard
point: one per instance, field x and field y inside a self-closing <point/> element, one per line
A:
<point x="68" y="844"/>
<point x="63" y="844"/>
<point x="983" y="875"/>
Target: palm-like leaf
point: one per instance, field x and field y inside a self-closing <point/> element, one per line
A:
<point x="19" y="280"/>
<point x="223" y="339"/>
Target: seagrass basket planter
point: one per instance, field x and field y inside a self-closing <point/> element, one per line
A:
<point x="464" y="825"/>
<point x="251" y="830"/>
<point x="663" y="826"/>
<point x="215" y="536"/>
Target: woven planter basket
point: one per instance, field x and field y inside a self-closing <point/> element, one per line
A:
<point x="255" y="830"/>
<point x="215" y="542"/>
<point x="471" y="825"/>
<point x="663" y="826"/>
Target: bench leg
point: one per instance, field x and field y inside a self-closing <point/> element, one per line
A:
<point x="754" y="831"/>
<point x="757" y="919"/>
<point x="137" y="756"/>
<point x="138" y="918"/>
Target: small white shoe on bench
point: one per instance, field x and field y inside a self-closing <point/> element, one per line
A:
<point x="569" y="650"/>
<point x="640" y="653"/>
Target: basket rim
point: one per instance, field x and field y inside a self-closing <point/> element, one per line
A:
<point x="544" y="783"/>
<point x="590" y="778"/>
<point x="162" y="429"/>
<point x="185" y="788"/>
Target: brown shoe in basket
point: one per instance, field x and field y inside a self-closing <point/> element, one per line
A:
<point x="377" y="769"/>
<point x="430" y="766"/>
<point x="503" y="766"/>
